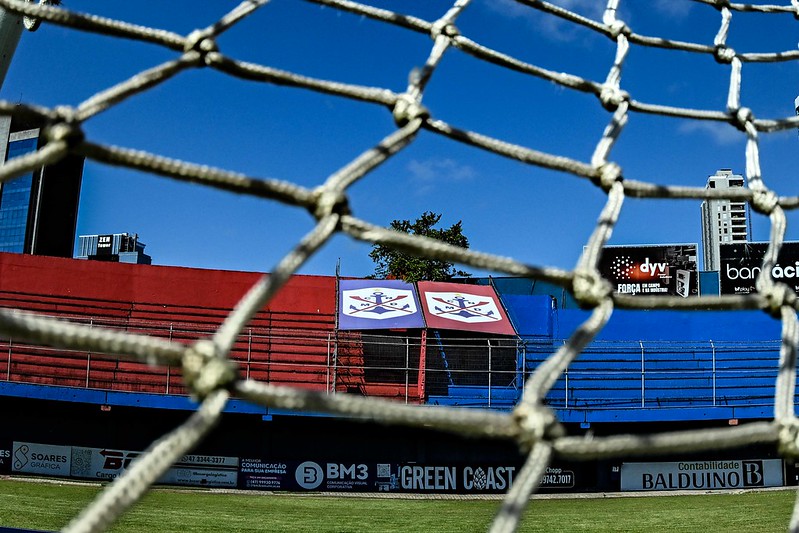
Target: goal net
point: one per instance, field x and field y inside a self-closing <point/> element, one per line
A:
<point x="209" y="373"/>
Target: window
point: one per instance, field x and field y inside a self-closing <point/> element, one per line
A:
<point x="15" y="197"/>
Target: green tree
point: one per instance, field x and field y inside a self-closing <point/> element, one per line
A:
<point x="394" y="264"/>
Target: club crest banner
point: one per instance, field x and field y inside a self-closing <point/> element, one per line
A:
<point x="378" y="304"/>
<point x="463" y="307"/>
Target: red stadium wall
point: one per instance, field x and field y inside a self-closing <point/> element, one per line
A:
<point x="170" y="287"/>
<point x="287" y="342"/>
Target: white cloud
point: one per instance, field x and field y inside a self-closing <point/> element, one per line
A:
<point x="721" y="133"/>
<point x="428" y="173"/>
<point x="509" y="8"/>
<point x="587" y="8"/>
<point x="673" y="8"/>
<point x="552" y="26"/>
<point x="561" y="30"/>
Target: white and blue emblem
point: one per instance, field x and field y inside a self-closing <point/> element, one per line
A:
<point x="378" y="303"/>
<point x="463" y="307"/>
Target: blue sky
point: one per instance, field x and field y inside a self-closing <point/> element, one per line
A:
<point x="537" y="216"/>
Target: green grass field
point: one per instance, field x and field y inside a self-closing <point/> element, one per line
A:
<point x="49" y="506"/>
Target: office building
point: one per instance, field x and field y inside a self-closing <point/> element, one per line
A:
<point x="723" y="220"/>
<point x="116" y="247"/>
<point x="38" y="210"/>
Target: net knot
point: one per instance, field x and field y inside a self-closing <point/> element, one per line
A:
<point x="789" y="437"/>
<point x="619" y="27"/>
<point x="535" y="422"/>
<point x="723" y="53"/>
<point x="590" y="288"/>
<point x="743" y="116"/>
<point x="612" y="97"/>
<point x="329" y="201"/>
<point x="445" y="28"/>
<point x="764" y="201"/>
<point x="795" y="4"/>
<point x="66" y="130"/>
<point x="609" y="174"/>
<point x="199" y="41"/>
<point x="777" y="296"/>
<point x="407" y="108"/>
<point x="205" y="371"/>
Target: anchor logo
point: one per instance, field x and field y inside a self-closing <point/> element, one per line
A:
<point x="378" y="303"/>
<point x="469" y="308"/>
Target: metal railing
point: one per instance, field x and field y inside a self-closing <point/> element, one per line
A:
<point x="661" y="374"/>
<point x="474" y="372"/>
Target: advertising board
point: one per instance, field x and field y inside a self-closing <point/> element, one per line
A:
<point x="5" y="457"/>
<point x="465" y="478"/>
<point x="322" y="476"/>
<point x="390" y="477"/>
<point x="378" y="304"/>
<point x="463" y="307"/>
<point x="46" y="459"/>
<point x="453" y="478"/>
<point x="192" y="470"/>
<point x="264" y="475"/>
<point x="706" y="475"/>
<point x="656" y="270"/>
<point x="741" y="263"/>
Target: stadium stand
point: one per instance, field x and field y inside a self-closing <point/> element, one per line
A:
<point x="645" y="366"/>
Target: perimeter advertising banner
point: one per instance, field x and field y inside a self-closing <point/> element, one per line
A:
<point x="710" y="475"/>
<point x="320" y="476"/>
<point x="46" y="459"/>
<point x="741" y="263"/>
<point x="469" y="479"/>
<point x="107" y="464"/>
<point x="472" y="478"/>
<point x="5" y="457"/>
<point x="192" y="470"/>
<point x="478" y="478"/>
<point x="657" y="270"/>
<point x="378" y="304"/>
<point x="463" y="307"/>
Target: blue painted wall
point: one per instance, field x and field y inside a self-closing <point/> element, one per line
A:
<point x="652" y="325"/>
<point x="649" y="366"/>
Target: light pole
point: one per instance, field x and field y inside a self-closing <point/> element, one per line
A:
<point x="11" y="30"/>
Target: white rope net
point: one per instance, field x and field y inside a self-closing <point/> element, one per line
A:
<point x="212" y="376"/>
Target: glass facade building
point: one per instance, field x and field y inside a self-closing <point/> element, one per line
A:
<point x="15" y="197"/>
<point x="39" y="209"/>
